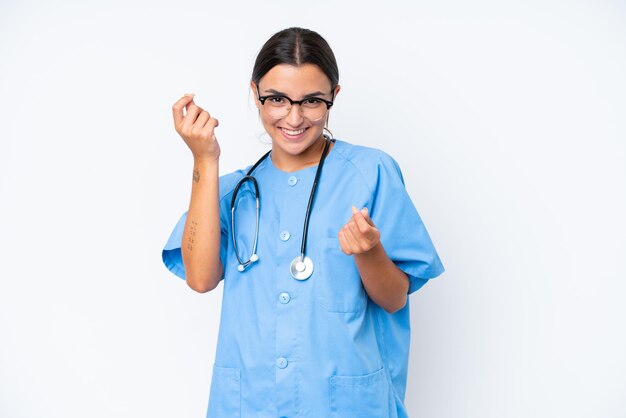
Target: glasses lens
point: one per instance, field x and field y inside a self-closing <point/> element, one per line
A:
<point x="279" y="107"/>
<point x="313" y="109"/>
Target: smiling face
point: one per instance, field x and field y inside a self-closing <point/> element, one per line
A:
<point x="297" y="142"/>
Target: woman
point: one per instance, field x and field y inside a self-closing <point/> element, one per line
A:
<point x="315" y="319"/>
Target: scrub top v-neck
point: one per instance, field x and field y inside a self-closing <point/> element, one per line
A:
<point x="318" y="347"/>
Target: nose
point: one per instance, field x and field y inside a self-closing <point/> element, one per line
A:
<point x="294" y="117"/>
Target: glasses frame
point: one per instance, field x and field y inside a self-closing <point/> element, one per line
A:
<point x="262" y="99"/>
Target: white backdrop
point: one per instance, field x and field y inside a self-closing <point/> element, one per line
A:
<point x="507" y="119"/>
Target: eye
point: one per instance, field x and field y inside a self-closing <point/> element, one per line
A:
<point x="312" y="102"/>
<point x="277" y="100"/>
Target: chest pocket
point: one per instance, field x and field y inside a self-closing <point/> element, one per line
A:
<point x="338" y="286"/>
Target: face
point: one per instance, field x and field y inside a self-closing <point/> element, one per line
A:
<point x="293" y="135"/>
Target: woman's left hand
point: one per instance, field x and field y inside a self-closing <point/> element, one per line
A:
<point x="359" y="234"/>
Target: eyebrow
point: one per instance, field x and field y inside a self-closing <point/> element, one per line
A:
<point x="306" y="96"/>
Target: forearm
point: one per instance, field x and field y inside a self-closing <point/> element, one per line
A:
<point x="384" y="282"/>
<point x="201" y="237"/>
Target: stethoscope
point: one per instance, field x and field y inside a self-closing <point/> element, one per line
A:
<point x="301" y="267"/>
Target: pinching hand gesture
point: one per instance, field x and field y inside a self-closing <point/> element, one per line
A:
<point x="359" y="234"/>
<point x="196" y="127"/>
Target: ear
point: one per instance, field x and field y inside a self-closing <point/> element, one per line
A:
<point x="336" y="91"/>
<point x="254" y="94"/>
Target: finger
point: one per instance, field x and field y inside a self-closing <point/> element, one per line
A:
<point x="211" y="124"/>
<point x="351" y="239"/>
<point x="366" y="215"/>
<point x="361" y="222"/>
<point x="343" y="244"/>
<point x="193" y="111"/>
<point x="349" y="243"/>
<point x="177" y="108"/>
<point x="203" y="118"/>
<point x="354" y="229"/>
<point x="193" y="107"/>
<point x="198" y="128"/>
<point x="191" y="102"/>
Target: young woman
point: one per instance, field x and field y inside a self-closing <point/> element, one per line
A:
<point x="318" y="245"/>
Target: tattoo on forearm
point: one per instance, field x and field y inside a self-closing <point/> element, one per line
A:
<point x="192" y="235"/>
<point x="196" y="176"/>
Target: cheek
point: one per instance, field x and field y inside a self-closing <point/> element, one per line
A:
<point x="267" y="123"/>
<point x="319" y="124"/>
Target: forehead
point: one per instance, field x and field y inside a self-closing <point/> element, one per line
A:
<point x="295" y="80"/>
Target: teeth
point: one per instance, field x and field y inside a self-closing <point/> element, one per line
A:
<point x="292" y="133"/>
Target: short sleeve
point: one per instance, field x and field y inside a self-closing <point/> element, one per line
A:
<point x="402" y="231"/>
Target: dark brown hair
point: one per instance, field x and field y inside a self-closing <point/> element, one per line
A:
<point x="296" y="46"/>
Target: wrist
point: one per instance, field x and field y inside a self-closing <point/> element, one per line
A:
<point x="373" y="253"/>
<point x="203" y="163"/>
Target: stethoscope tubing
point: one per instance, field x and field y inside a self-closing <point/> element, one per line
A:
<point x="305" y="231"/>
<point x="232" y="218"/>
<point x="249" y="177"/>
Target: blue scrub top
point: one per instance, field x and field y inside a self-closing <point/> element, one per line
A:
<point x="318" y="347"/>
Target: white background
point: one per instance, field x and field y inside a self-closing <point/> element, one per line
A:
<point x="507" y="119"/>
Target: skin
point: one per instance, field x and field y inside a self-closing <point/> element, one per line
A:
<point x="201" y="237"/>
<point x="383" y="281"/>
<point x="294" y="82"/>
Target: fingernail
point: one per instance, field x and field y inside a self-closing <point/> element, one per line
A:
<point x="354" y="210"/>
<point x="364" y="211"/>
<point x="190" y="94"/>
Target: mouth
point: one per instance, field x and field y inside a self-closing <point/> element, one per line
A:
<point x="293" y="134"/>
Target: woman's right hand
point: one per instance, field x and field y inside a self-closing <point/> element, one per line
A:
<point x="196" y="127"/>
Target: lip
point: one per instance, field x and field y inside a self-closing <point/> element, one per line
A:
<point x="293" y="137"/>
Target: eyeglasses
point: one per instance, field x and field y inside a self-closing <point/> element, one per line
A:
<point x="278" y="106"/>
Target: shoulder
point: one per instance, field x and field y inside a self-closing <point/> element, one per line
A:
<point x="372" y="164"/>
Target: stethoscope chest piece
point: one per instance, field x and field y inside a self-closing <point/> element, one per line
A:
<point x="301" y="268"/>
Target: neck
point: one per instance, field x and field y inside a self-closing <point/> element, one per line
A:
<point x="308" y="158"/>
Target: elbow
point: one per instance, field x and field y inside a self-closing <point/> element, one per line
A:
<point x="201" y="286"/>
<point x="402" y="297"/>
<point x="393" y="308"/>
<point x="201" y="279"/>
<point x="203" y="283"/>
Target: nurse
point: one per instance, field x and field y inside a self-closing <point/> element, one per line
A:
<point x="316" y="278"/>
